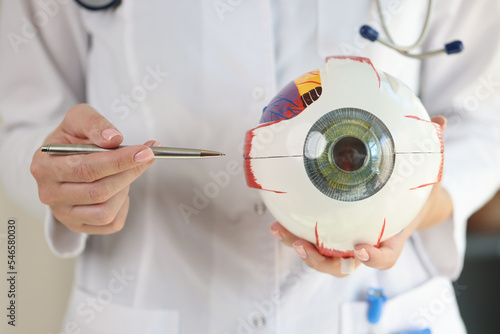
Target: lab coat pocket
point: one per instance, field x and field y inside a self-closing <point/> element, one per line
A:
<point x="97" y="314"/>
<point x="431" y="305"/>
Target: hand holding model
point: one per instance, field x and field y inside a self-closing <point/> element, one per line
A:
<point x="351" y="167"/>
<point x="89" y="193"/>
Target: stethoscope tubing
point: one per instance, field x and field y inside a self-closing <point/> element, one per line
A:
<point x="423" y="34"/>
<point x="104" y="4"/>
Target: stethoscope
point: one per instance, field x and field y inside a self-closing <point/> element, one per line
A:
<point x="371" y="34"/>
<point x="365" y="31"/>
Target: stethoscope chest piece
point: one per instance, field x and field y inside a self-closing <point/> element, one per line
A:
<point x="97" y="4"/>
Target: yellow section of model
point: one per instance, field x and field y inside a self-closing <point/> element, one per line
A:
<point x="307" y="82"/>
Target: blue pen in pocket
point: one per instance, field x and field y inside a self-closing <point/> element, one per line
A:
<point x="376" y="300"/>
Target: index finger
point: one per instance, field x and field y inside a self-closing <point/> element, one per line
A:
<point x="83" y="121"/>
<point x="95" y="166"/>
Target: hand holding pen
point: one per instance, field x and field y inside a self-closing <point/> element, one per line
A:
<point x="159" y="152"/>
<point x="90" y="194"/>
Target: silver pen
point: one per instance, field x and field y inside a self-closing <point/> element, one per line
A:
<point x="159" y="152"/>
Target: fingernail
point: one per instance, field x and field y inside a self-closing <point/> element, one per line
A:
<point x="277" y="234"/>
<point x="361" y="254"/>
<point x="109" y="134"/>
<point x="144" y="155"/>
<point x="300" y="250"/>
<point x="157" y="143"/>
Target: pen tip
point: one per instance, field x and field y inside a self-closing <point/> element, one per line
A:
<point x="211" y="154"/>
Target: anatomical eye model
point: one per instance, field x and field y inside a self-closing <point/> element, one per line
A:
<point x="345" y="155"/>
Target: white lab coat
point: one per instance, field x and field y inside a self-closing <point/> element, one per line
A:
<point x="195" y="255"/>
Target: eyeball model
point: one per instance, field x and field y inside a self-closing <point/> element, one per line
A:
<point x="345" y="155"/>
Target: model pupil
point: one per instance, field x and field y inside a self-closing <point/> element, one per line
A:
<point x="349" y="154"/>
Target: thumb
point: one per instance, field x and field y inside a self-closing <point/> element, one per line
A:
<point x="84" y="122"/>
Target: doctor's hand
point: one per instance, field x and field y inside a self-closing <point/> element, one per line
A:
<point x="436" y="209"/>
<point x="308" y="252"/>
<point x="89" y="193"/>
